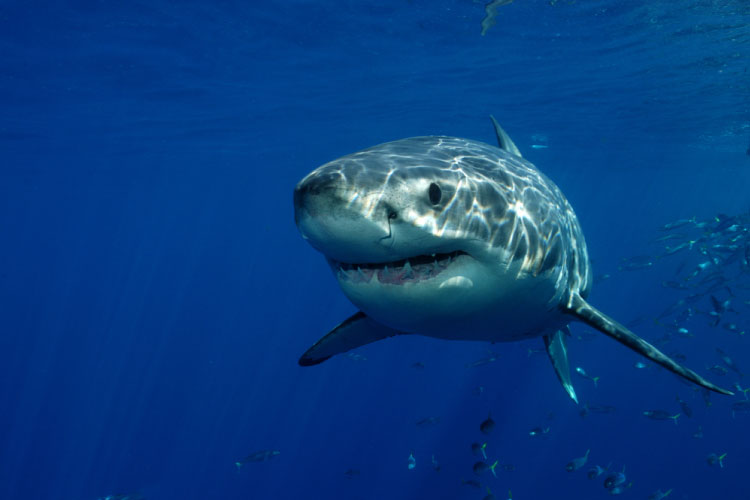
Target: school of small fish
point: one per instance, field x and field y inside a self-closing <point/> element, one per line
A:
<point x="711" y="286"/>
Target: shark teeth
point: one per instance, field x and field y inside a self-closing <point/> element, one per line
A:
<point x="408" y="271"/>
<point x="362" y="276"/>
<point x="411" y="270"/>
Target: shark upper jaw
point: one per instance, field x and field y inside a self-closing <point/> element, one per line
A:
<point x="411" y="270"/>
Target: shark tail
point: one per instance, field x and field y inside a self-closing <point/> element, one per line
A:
<point x="581" y="309"/>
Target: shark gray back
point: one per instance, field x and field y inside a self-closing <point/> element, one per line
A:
<point x="454" y="239"/>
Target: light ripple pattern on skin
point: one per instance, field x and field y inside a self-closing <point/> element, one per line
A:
<point x="455" y="239"/>
<point x="501" y="200"/>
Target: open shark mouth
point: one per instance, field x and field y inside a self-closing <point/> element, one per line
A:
<point x="399" y="272"/>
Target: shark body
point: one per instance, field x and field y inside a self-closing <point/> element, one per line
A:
<point x="455" y="239"/>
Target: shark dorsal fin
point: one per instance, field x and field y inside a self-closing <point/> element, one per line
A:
<point x="504" y="141"/>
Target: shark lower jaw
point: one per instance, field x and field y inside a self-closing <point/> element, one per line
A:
<point x="400" y="272"/>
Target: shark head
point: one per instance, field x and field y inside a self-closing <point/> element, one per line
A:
<point x="384" y="204"/>
<point x="421" y="239"/>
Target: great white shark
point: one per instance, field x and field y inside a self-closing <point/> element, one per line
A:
<point x="454" y="239"/>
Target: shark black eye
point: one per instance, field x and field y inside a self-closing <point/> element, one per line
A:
<point x="434" y="193"/>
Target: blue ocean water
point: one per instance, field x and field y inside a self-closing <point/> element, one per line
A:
<point x="155" y="294"/>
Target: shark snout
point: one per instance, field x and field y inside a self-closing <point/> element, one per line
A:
<point x="335" y="220"/>
<point x="314" y="193"/>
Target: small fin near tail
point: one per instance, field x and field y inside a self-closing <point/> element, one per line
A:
<point x="595" y="318"/>
<point x="558" y="354"/>
<point x="355" y="331"/>
<point x="503" y="139"/>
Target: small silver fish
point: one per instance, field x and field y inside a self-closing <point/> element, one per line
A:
<point x="258" y="456"/>
<point x="713" y="459"/>
<point x="685" y="407"/>
<point x="580" y="371"/>
<point x="577" y="463"/>
<point x="435" y="464"/>
<point x="659" y="495"/>
<point x="661" y="415"/>
<point x="481" y="467"/>
<point x="538" y="431"/>
<point x="428" y="422"/>
<point x="487" y="426"/>
<point x="471" y="482"/>
<point x="490" y="359"/>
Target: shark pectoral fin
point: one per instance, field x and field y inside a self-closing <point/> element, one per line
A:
<point x="353" y="332"/>
<point x="558" y="354"/>
<point x="597" y="319"/>
<point x="503" y="139"/>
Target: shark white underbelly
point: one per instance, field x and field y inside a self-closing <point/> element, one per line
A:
<point x="465" y="303"/>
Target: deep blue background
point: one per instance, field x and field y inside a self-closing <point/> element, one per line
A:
<point x="155" y="295"/>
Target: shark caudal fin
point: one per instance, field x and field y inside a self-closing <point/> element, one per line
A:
<point x="353" y="332"/>
<point x="558" y="354"/>
<point x="595" y="318"/>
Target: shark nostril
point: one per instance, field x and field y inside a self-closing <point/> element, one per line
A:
<point x="390" y="211"/>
